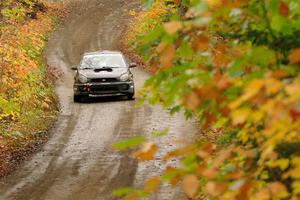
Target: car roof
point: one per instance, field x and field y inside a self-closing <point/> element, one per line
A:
<point x="101" y="52"/>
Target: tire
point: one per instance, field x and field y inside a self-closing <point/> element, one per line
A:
<point x="130" y="97"/>
<point x="77" y="98"/>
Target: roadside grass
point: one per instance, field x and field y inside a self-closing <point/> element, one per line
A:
<point x="28" y="104"/>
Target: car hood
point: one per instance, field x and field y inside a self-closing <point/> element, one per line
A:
<point x="95" y="73"/>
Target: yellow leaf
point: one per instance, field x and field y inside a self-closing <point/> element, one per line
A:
<point x="243" y="135"/>
<point x="250" y="91"/>
<point x="190" y="185"/>
<point x="214" y="3"/>
<point x="257" y="116"/>
<point x="240" y="116"/>
<point x="281" y="163"/>
<point x="296" y="187"/>
<point x="152" y="184"/>
<point x="253" y="88"/>
<point x="293" y="90"/>
<point x="132" y="12"/>
<point x="172" y="27"/>
<point x="273" y="86"/>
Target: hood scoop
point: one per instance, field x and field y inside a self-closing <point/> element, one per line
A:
<point x="103" y="69"/>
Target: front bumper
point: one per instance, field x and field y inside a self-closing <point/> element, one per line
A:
<point x="104" y="89"/>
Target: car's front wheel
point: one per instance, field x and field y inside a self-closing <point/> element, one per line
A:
<point x="77" y="98"/>
<point x="130" y="96"/>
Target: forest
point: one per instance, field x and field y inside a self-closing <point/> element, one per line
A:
<point x="233" y="66"/>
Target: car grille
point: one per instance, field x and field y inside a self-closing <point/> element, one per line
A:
<point x="103" y="80"/>
<point x="109" y="88"/>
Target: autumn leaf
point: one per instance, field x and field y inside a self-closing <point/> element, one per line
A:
<point x="281" y="163"/>
<point x="220" y="56"/>
<point x="167" y="56"/>
<point x="131" y="197"/>
<point x="250" y="91"/>
<point x="214" y="189"/>
<point x="295" y="114"/>
<point x="173" y="27"/>
<point x="152" y="184"/>
<point x="263" y="194"/>
<point x="206" y="151"/>
<point x="240" y="116"/>
<point x="214" y="3"/>
<point x="278" y="190"/>
<point x="284" y="9"/>
<point x="273" y="86"/>
<point x="294" y="56"/>
<point x="190" y="185"/>
<point x="201" y="43"/>
<point x="209" y="173"/>
<point x="132" y="12"/>
<point x="172" y="175"/>
<point x="147" y="152"/>
<point x="192" y="101"/>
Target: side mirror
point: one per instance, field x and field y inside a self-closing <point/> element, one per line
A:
<point x="132" y="65"/>
<point x="74" y="67"/>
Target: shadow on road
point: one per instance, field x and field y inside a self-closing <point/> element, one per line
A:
<point x="92" y="100"/>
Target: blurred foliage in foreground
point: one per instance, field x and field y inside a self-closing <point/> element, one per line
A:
<point x="234" y="66"/>
<point x="27" y="101"/>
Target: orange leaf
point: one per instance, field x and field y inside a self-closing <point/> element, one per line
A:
<point x="295" y="56"/>
<point x="192" y="100"/>
<point x="190" y="185"/>
<point x="147" y="152"/>
<point x="167" y="56"/>
<point x="295" y="114"/>
<point x="277" y="189"/>
<point x="209" y="173"/>
<point x="206" y="151"/>
<point x="175" y="179"/>
<point x="220" y="57"/>
<point x="131" y="197"/>
<point x="222" y="156"/>
<point x="215" y="189"/>
<point x="263" y="194"/>
<point x="284" y="9"/>
<point x="201" y="44"/>
<point x="172" y="27"/>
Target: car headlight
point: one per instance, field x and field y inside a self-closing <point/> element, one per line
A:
<point x="83" y="78"/>
<point x="124" y="77"/>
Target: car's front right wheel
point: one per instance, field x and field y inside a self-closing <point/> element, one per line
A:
<point x="130" y="96"/>
<point x="77" y="98"/>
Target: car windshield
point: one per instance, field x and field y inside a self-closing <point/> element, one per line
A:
<point x="102" y="60"/>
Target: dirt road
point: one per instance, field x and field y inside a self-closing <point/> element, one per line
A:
<point x="78" y="162"/>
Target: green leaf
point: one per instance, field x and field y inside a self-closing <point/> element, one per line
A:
<point x="123" y="191"/>
<point x="129" y="143"/>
